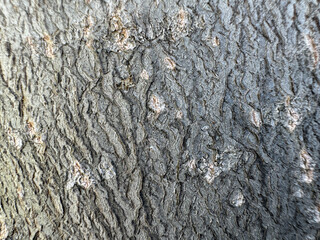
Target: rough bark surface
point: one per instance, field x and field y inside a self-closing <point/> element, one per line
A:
<point x="159" y="119"/>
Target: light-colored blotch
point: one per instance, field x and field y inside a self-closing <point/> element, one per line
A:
<point x="121" y="34"/>
<point x="79" y="176"/>
<point x="50" y="46"/>
<point x="215" y="42"/>
<point x="182" y="19"/>
<point x="20" y="192"/>
<point x="35" y="135"/>
<point x="87" y="30"/>
<point x="313" y="214"/>
<point x="3" y="230"/>
<point x="14" y="139"/>
<point x="156" y="103"/>
<point x="299" y="193"/>
<point x="237" y="199"/>
<point x="256" y="118"/>
<point x="192" y="165"/>
<point x="313" y="49"/>
<point x="144" y="74"/>
<point x="210" y="175"/>
<point x="307" y="166"/>
<point x="170" y="64"/>
<point x="106" y="169"/>
<point x="293" y="118"/>
<point x="179" y="114"/>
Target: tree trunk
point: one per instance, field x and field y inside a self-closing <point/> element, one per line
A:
<point x="159" y="119"/>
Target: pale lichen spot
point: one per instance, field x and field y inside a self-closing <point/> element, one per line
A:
<point x="35" y="136"/>
<point x="18" y="143"/>
<point x="293" y="119"/>
<point x="307" y="166"/>
<point x="144" y="74"/>
<point x="200" y="23"/>
<point x="30" y="43"/>
<point x="313" y="49"/>
<point x="50" y="46"/>
<point x="87" y="30"/>
<point x="170" y="64"/>
<point x="215" y="42"/>
<point x="191" y="165"/>
<point x="256" y="118"/>
<point x="79" y="176"/>
<point x="106" y="169"/>
<point x="179" y="25"/>
<point x="31" y="127"/>
<point x="20" y="192"/>
<point x="210" y="175"/>
<point x="156" y="103"/>
<point x="38" y="139"/>
<point x="179" y="114"/>
<point x="237" y="199"/>
<point x="314" y="214"/>
<point x="182" y="19"/>
<point x="14" y="139"/>
<point x="299" y="193"/>
<point x="89" y="23"/>
<point x="287" y="101"/>
<point x="121" y="34"/>
<point x="305" y="158"/>
<point x="85" y="181"/>
<point x="3" y="230"/>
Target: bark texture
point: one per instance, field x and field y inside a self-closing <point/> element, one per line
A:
<point x="159" y="119"/>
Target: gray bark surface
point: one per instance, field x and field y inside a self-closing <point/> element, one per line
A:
<point x="159" y="119"/>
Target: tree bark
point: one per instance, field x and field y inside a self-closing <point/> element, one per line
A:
<point x="159" y="119"/>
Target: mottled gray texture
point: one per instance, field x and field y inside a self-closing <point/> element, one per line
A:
<point x="159" y="119"/>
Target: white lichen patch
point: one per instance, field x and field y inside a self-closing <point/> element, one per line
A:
<point x="121" y="34"/>
<point x="182" y="18"/>
<point x="306" y="160"/>
<point x="312" y="48"/>
<point x="222" y="162"/>
<point x="200" y="22"/>
<point x="14" y="139"/>
<point x="87" y="30"/>
<point x="144" y="75"/>
<point x="179" y="25"/>
<point x="313" y="214"/>
<point x="256" y="118"/>
<point x="49" y="46"/>
<point x="79" y="176"/>
<point x="170" y="64"/>
<point x="212" y="41"/>
<point x="293" y="119"/>
<point x="156" y="103"/>
<point x="299" y="193"/>
<point x="192" y="165"/>
<point x="106" y="169"/>
<point x="30" y="43"/>
<point x="3" y="230"/>
<point x="179" y="114"/>
<point x="307" y="166"/>
<point x="31" y="128"/>
<point x="211" y="174"/>
<point x="35" y="136"/>
<point x="20" y="192"/>
<point x="215" y="42"/>
<point x="237" y="199"/>
<point x="89" y="23"/>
